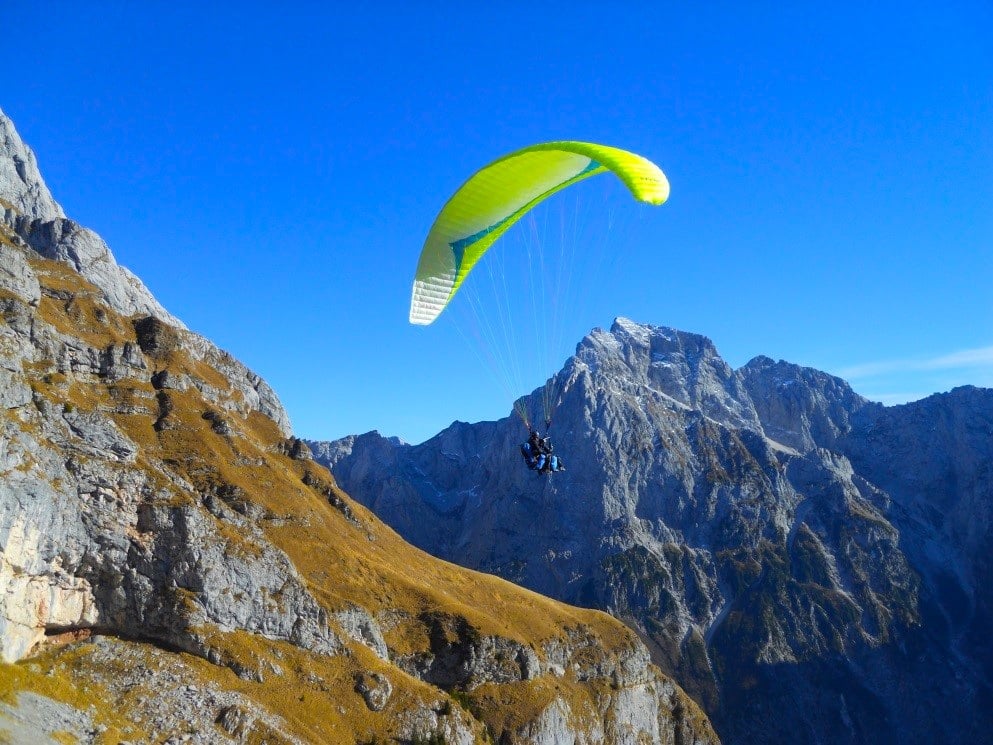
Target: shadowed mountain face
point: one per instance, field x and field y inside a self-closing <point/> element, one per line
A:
<point x="810" y="566"/>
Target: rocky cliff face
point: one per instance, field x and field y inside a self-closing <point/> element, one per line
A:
<point x="30" y="213"/>
<point x="175" y="567"/>
<point x="811" y="566"/>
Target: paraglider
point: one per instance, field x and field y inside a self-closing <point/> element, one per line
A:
<point x="538" y="455"/>
<point x="495" y="198"/>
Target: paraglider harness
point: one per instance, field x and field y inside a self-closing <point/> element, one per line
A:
<point x="538" y="456"/>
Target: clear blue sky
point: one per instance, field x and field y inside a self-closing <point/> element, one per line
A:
<point x="270" y="173"/>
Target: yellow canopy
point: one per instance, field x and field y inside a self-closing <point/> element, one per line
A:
<point x="497" y="196"/>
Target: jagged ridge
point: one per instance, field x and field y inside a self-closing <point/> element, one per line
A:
<point x="810" y="565"/>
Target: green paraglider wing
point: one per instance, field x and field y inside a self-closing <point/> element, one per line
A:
<point x="497" y="196"/>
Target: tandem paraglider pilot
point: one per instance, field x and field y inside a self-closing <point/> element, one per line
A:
<point x="538" y="455"/>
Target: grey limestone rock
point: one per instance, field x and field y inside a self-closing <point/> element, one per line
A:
<point x="33" y="719"/>
<point x="800" y="407"/>
<point x="85" y="542"/>
<point x="359" y="625"/>
<point x="29" y="211"/>
<point x="21" y="185"/>
<point x="806" y="563"/>
<point x="16" y="275"/>
<point x="375" y="689"/>
<point x="82" y="249"/>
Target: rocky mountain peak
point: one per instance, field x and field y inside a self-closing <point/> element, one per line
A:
<point x="22" y="189"/>
<point x="30" y="216"/>
<point x="632" y="341"/>
<point x="798" y="406"/>
<point x="684" y="367"/>
<point x="810" y="565"/>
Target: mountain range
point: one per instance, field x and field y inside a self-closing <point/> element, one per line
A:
<point x="812" y="567"/>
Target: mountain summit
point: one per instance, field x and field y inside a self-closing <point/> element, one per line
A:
<point x="811" y="566"/>
<point x="32" y="215"/>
